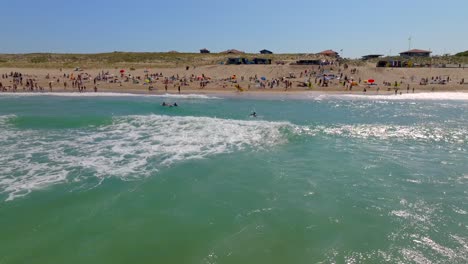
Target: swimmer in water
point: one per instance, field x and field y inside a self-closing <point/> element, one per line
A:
<point x="164" y="104"/>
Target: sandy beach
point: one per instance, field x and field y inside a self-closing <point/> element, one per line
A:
<point x="226" y="79"/>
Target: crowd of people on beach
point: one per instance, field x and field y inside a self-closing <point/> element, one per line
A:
<point x="330" y="75"/>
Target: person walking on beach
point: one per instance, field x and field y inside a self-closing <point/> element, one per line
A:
<point x="178" y="89"/>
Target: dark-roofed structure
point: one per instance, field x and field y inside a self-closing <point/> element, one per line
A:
<point x="204" y="51"/>
<point x="329" y="53"/>
<point x="371" y="56"/>
<point x="416" y="53"/>
<point x="308" y="62"/>
<point x="264" y="51"/>
<point x="261" y="61"/>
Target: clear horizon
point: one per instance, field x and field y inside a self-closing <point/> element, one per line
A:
<point x="358" y="29"/>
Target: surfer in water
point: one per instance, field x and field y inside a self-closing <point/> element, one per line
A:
<point x="253" y="114"/>
<point x="170" y="105"/>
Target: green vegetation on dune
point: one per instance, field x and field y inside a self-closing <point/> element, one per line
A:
<point x="171" y="59"/>
<point x="124" y="59"/>
<point x="462" y="54"/>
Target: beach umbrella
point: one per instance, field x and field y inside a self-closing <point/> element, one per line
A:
<point x="371" y="81"/>
<point x="122" y="71"/>
<point x="263" y="78"/>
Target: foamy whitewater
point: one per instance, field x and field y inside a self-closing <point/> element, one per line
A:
<point x="132" y="146"/>
<point x="330" y="179"/>
<point x="447" y="96"/>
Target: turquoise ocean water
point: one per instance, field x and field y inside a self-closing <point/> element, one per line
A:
<point x="316" y="179"/>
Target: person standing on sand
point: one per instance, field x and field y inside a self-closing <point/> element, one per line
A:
<point x="178" y="89"/>
<point x="165" y="87"/>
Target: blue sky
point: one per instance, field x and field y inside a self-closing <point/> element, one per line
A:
<point x="358" y="27"/>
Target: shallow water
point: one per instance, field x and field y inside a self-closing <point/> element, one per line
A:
<point x="324" y="179"/>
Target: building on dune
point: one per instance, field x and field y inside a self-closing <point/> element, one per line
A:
<point x="329" y="53"/>
<point x="308" y="62"/>
<point x="204" y="51"/>
<point x="391" y="64"/>
<point x="416" y="53"/>
<point x="261" y="61"/>
<point x="371" y="56"/>
<point x="265" y="51"/>
<point x="240" y="60"/>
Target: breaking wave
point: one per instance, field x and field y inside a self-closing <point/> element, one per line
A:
<point x="442" y="96"/>
<point x="133" y="147"/>
<point x="384" y="132"/>
<point x="390" y="132"/>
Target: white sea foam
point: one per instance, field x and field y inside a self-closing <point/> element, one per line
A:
<point x="428" y="242"/>
<point x="4" y="119"/>
<point x="110" y="94"/>
<point x="442" y="96"/>
<point x="385" y="132"/>
<point x="415" y="256"/>
<point x="138" y="146"/>
<point x="131" y="147"/>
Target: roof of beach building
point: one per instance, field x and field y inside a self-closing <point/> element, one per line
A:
<point x="370" y="56"/>
<point x="373" y="55"/>
<point x="328" y="52"/>
<point x="416" y="51"/>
